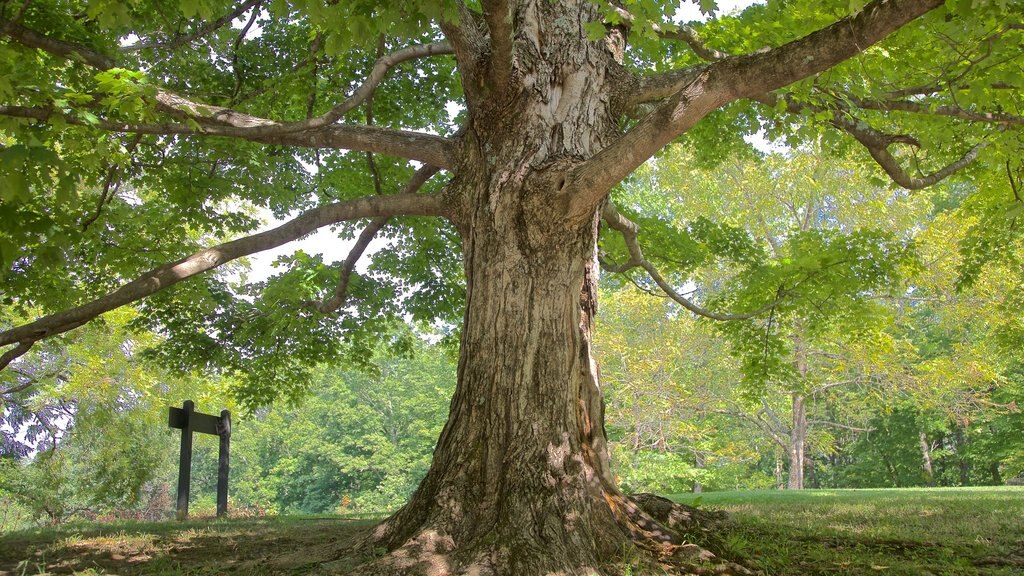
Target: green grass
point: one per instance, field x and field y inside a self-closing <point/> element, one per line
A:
<point x="919" y="532"/>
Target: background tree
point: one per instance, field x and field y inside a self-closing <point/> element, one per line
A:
<point x="90" y="425"/>
<point x="836" y="240"/>
<point x="357" y="443"/>
<point x="136" y="132"/>
<point x="665" y="375"/>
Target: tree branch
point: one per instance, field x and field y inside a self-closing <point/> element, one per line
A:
<point x="684" y="33"/>
<point x="703" y="90"/>
<point x="365" y="237"/>
<point x="181" y="40"/>
<point x="878" y="143"/>
<point x="220" y="121"/>
<point x="766" y="428"/>
<point x="380" y="69"/>
<point x="19" y="387"/>
<point x="629" y="231"/>
<point x="426" y="148"/>
<point x="692" y="39"/>
<point x="202" y="261"/>
<point x="838" y="425"/>
<point x="498" y="16"/>
<point x="468" y="39"/>
<point x="940" y="110"/>
<point x="11" y="355"/>
<point x="34" y="39"/>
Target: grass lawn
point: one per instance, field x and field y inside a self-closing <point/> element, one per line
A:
<point x="919" y="532"/>
<point x="954" y="532"/>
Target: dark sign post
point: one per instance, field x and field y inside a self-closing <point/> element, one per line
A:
<point x="188" y="420"/>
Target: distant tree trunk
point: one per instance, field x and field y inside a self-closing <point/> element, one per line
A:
<point x="993" y="469"/>
<point x="797" y="444"/>
<point x="779" y="483"/>
<point x="811" y="474"/>
<point x="964" y="465"/>
<point x="926" y="459"/>
<point x="940" y="464"/>
<point x="698" y="463"/>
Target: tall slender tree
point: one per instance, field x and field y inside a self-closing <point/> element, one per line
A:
<point x="136" y="131"/>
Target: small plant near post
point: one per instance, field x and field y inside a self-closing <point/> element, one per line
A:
<point x="189" y="421"/>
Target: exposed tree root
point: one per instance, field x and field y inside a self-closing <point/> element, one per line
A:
<point x="658" y="536"/>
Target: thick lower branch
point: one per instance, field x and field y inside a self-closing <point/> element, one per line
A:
<point x="730" y="79"/>
<point x="170" y="274"/>
<point x="365" y="237"/>
<point x="426" y="148"/>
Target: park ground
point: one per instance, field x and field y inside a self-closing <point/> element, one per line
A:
<point x="913" y="532"/>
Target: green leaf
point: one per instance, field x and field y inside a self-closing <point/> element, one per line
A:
<point x="708" y="6"/>
<point x="14" y="188"/>
<point x="595" y="30"/>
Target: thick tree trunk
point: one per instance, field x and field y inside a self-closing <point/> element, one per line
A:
<point x="520" y="482"/>
<point x="520" y="476"/>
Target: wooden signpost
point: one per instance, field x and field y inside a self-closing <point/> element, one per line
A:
<point x="189" y="421"/>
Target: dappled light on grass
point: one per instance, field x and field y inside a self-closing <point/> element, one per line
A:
<point x="968" y="531"/>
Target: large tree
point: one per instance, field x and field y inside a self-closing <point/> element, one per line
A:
<point x="139" y="129"/>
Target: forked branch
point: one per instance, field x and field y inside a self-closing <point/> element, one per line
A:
<point x="702" y="90"/>
<point x="206" y="29"/>
<point x="878" y="143"/>
<point x="629" y="231"/>
<point x="348" y="265"/>
<point x="168" y="275"/>
<point x="198" y="118"/>
<point x="380" y="69"/>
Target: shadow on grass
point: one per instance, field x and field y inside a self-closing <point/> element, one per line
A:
<point x="273" y="545"/>
<point x="913" y="532"/>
